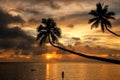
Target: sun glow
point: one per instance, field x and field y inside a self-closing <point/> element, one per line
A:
<point x="49" y="56"/>
<point x="52" y="55"/>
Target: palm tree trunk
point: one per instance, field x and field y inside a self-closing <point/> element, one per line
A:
<point x="112" y="32"/>
<point x="87" y="56"/>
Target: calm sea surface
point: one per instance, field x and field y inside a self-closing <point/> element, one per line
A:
<point x="52" y="71"/>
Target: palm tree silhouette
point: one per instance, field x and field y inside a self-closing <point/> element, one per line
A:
<point x="49" y="32"/>
<point x="102" y="17"/>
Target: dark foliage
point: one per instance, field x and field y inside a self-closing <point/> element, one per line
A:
<point x="101" y="17"/>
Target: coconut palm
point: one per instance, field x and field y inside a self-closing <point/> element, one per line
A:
<point x="49" y="32"/>
<point x="101" y="17"/>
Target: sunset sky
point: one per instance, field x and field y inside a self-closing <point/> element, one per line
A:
<point x="20" y="18"/>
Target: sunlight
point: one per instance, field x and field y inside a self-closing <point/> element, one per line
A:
<point x="52" y="55"/>
<point x="25" y="56"/>
<point x="49" y="56"/>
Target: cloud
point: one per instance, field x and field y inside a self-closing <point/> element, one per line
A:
<point x="97" y="35"/>
<point x="13" y="38"/>
<point x="77" y="44"/>
<point x="75" y="15"/>
<point x="96" y="49"/>
<point x="6" y="18"/>
<point x="74" y="18"/>
<point x="50" y="3"/>
<point x="28" y="10"/>
<point x="70" y="26"/>
<point x="117" y="23"/>
<point x="92" y="39"/>
<point x="76" y="38"/>
<point x="53" y="4"/>
<point x="32" y="20"/>
<point x="17" y="39"/>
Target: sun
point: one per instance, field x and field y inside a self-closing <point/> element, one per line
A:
<point x="52" y="55"/>
<point x="49" y="56"/>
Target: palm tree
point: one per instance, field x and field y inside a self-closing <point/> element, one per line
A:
<point x="49" y="32"/>
<point x="101" y="17"/>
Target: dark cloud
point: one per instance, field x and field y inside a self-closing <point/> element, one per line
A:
<point x="117" y="23"/>
<point x="96" y="49"/>
<point x="36" y="50"/>
<point x="53" y="4"/>
<point x="105" y="50"/>
<point x="77" y="14"/>
<point x="17" y="39"/>
<point x="76" y="38"/>
<point x="77" y="44"/>
<point x="32" y="20"/>
<point x="35" y="12"/>
<point x="13" y="38"/>
<point x="70" y="26"/>
<point x="76" y="18"/>
<point x="92" y="39"/>
<point x="27" y="10"/>
<point x="6" y="18"/>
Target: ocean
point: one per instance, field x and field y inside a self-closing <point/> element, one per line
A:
<point x="53" y="71"/>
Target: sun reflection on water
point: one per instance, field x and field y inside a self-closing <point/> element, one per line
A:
<point x="47" y="71"/>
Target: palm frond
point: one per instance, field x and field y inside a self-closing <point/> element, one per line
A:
<point x="99" y="8"/>
<point x="110" y="14"/>
<point x="105" y="9"/>
<point x="50" y="22"/>
<point x="57" y="31"/>
<point x="108" y="23"/>
<point x="102" y="27"/>
<point x="54" y="38"/>
<point x="111" y="17"/>
<point x="92" y="20"/>
<point x="93" y="13"/>
<point x="40" y="28"/>
<point x="95" y="24"/>
<point x="40" y="35"/>
<point x="43" y="40"/>
<point x="44" y="21"/>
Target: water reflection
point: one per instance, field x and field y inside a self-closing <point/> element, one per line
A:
<point x="52" y="71"/>
<point x="47" y="71"/>
<point x="83" y="71"/>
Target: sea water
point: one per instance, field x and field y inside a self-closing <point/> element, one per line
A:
<point x="53" y="71"/>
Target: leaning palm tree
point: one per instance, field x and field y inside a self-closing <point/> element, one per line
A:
<point x="101" y="17"/>
<point x="49" y="32"/>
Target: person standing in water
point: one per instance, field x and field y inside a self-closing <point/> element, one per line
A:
<point x="63" y="75"/>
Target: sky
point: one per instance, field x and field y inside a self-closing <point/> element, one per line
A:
<point x="20" y="18"/>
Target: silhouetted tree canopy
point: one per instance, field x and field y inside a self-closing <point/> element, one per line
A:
<point x="48" y="30"/>
<point x="102" y="17"/>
